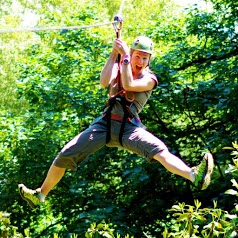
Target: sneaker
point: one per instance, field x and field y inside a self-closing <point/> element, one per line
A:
<point x="31" y="196"/>
<point x="204" y="171"/>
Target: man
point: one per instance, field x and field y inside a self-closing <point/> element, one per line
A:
<point x="130" y="85"/>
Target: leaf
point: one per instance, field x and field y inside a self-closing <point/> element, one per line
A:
<point x="197" y="203"/>
<point x="231" y="192"/>
<point x="215" y="203"/>
<point x="224" y="223"/>
<point x="100" y="226"/>
<point x="227" y="148"/>
<point x="235" y="145"/>
<point x="88" y="235"/>
<point x="234" y="183"/>
<point x="176" y="214"/>
<point x="231" y="216"/>
<point x="165" y="233"/>
<point x="201" y="218"/>
<point x="176" y="207"/>
<point x="183" y="217"/>
<point x="93" y="225"/>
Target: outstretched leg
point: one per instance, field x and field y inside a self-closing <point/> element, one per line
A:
<point x="37" y="196"/>
<point x="75" y="151"/>
<point x="200" y="175"/>
<point x="174" y="165"/>
<point x="54" y="175"/>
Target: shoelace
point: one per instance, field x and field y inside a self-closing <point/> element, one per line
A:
<point x="32" y="195"/>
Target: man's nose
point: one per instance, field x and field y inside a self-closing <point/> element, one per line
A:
<point x="140" y="61"/>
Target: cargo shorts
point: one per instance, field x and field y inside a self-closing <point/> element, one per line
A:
<point x="135" y="139"/>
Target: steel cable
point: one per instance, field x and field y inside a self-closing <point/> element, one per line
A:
<point x="19" y="30"/>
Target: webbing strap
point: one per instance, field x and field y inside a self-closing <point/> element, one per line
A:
<point x="108" y="119"/>
<point x="119" y="84"/>
<point x="108" y="114"/>
<point x="125" y="117"/>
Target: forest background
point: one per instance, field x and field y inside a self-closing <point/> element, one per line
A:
<point x="50" y="91"/>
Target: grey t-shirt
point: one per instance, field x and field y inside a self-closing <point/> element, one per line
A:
<point x="139" y="99"/>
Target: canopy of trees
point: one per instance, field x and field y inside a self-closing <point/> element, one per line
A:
<point x="50" y="92"/>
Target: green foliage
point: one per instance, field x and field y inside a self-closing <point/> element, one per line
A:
<point x="57" y="94"/>
<point x="233" y="169"/>
<point x="230" y="6"/>
<point x="95" y="231"/>
<point x="6" y="229"/>
<point x="194" y="221"/>
<point x="102" y="230"/>
<point x="199" y="72"/>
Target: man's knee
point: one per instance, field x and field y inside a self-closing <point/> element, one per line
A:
<point x="162" y="155"/>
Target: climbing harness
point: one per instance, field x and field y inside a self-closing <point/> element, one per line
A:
<point x="121" y="97"/>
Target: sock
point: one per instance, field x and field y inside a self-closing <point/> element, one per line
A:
<point x="192" y="176"/>
<point x="42" y="197"/>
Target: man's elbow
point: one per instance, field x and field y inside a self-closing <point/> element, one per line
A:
<point x="127" y="87"/>
<point x="103" y="83"/>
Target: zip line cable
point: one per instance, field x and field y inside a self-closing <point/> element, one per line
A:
<point x="122" y="5"/>
<point x="16" y="30"/>
<point x="118" y="19"/>
<point x="19" y="30"/>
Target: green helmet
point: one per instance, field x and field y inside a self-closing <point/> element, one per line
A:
<point x="143" y="43"/>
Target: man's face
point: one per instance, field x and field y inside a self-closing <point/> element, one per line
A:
<point x="139" y="61"/>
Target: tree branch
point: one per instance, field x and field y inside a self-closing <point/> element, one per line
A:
<point x="203" y="60"/>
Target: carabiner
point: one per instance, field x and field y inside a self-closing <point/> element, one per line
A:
<point x="117" y="25"/>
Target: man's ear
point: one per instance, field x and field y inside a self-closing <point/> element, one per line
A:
<point x="148" y="62"/>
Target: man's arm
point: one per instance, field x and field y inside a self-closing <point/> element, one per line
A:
<point x="146" y="83"/>
<point x="110" y="69"/>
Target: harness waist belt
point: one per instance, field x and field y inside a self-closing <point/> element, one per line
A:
<point x="118" y="118"/>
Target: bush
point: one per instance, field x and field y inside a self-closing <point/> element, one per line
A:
<point x="102" y="230"/>
<point x="6" y="229"/>
<point x="194" y="221"/>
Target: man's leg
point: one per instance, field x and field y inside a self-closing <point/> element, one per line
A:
<point x="37" y="196"/>
<point x="54" y="175"/>
<point x="173" y="164"/>
<point x="74" y="152"/>
<point x="144" y="143"/>
<point x="200" y="175"/>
